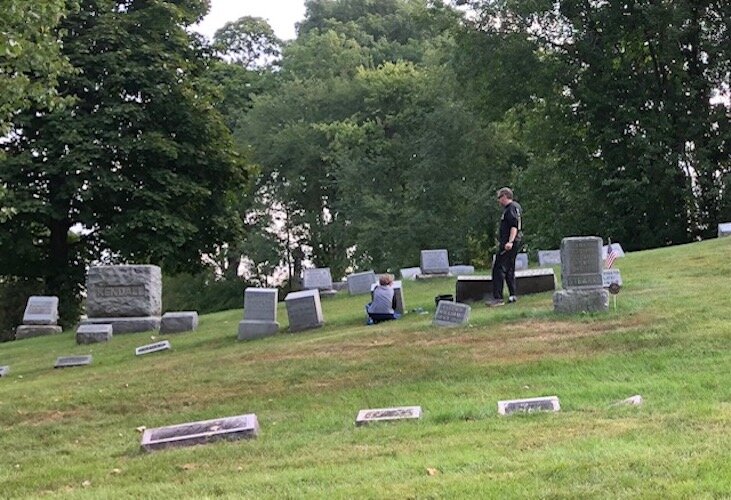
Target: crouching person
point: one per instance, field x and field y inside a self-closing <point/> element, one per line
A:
<point x="383" y="301"/>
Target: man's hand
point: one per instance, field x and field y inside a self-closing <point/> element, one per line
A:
<point x="509" y="246"/>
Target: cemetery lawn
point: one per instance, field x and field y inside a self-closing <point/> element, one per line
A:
<point x="72" y="432"/>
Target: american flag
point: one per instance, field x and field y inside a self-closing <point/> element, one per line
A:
<point x="611" y="256"/>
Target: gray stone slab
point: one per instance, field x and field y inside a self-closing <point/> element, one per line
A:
<point x="201" y="432"/>
<point x="360" y="283"/>
<point x="260" y="304"/>
<point x="318" y="278"/>
<point x="123" y="291"/>
<point x="451" y="314"/>
<point x="339" y="286"/>
<point x="71" y="361"/>
<point x="28" y="331"/>
<point x="388" y="414"/>
<point x="521" y="261"/>
<point x="461" y="269"/>
<point x="179" y="321"/>
<point x="250" y="329"/>
<point x="434" y="261"/>
<point x="549" y="258"/>
<point x="410" y="273"/>
<point x="610" y="276"/>
<point x="618" y="250"/>
<point x="4" y="370"/>
<point x="581" y="262"/>
<point x="530" y="405"/>
<point x="127" y="325"/>
<point x="398" y="293"/>
<point x="578" y="301"/>
<point x="479" y="287"/>
<point x="150" y="348"/>
<point x="41" y="310"/>
<point x="93" y="333"/>
<point x="724" y="229"/>
<point x="304" y="310"/>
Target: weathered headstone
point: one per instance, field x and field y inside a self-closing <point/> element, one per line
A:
<point x="388" y="414"/>
<point x="724" y="229"/>
<point x="71" y="361"/>
<point x="434" y="261"/>
<point x="581" y="276"/>
<point x="4" y="370"/>
<point x="360" y="283"/>
<point x="618" y="250"/>
<point x="479" y="287"/>
<point x="41" y="311"/>
<point x="530" y="405"/>
<point x="610" y="276"/>
<point x="549" y="258"/>
<point x="179" y="321"/>
<point x="304" y="310"/>
<point x="398" y="293"/>
<point x="410" y="273"/>
<point x="521" y="261"/>
<point x="461" y="270"/>
<point x="150" y="348"/>
<point x="92" y="333"/>
<point x="127" y="297"/>
<point x="451" y="314"/>
<point x="204" y="431"/>
<point x="260" y="313"/>
<point x="317" y="279"/>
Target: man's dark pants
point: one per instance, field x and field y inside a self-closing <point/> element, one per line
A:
<point x="504" y="270"/>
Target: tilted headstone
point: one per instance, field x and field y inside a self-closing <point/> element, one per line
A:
<point x="461" y="270"/>
<point x="724" y="229"/>
<point x="388" y="414"/>
<point x="260" y="313"/>
<point x="179" y="321"/>
<point x="317" y="279"/>
<point x="204" y="431"/>
<point x="434" y="261"/>
<point x="4" y="370"/>
<point x="150" y="348"/>
<point x="530" y="405"/>
<point x="304" y="310"/>
<point x="581" y="262"/>
<point x="610" y="276"/>
<point x="451" y="314"/>
<point x="71" y="361"/>
<point x="618" y="250"/>
<point x="549" y="257"/>
<point x="398" y="294"/>
<point x="41" y="311"/>
<point x="409" y="273"/>
<point x="93" y="333"/>
<point x="360" y="283"/>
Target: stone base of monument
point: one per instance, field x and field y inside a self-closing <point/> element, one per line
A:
<point x="128" y="325"/>
<point x="578" y="301"/>
<point x="28" y="331"/>
<point x="93" y="333"/>
<point x="175" y="322"/>
<point x="254" y="329"/>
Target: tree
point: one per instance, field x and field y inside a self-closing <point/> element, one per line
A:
<point x="249" y="42"/>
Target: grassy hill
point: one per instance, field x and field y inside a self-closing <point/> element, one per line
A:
<point x="72" y="432"/>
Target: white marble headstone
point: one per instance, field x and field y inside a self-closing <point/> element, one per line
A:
<point x="41" y="310"/>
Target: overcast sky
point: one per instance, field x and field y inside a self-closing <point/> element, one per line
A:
<point x="281" y="14"/>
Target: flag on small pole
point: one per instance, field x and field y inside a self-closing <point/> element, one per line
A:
<point x="611" y="256"/>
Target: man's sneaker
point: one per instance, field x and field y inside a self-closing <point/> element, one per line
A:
<point x="495" y="303"/>
<point x="512" y="299"/>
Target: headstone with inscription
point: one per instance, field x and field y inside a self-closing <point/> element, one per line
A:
<point x="398" y="294"/>
<point x="461" y="269"/>
<point x="260" y="313"/>
<point x="581" y="277"/>
<point x="40" y="318"/>
<point x="179" y="321"/>
<point x="318" y="278"/>
<point x="127" y="297"/>
<point x="434" y="262"/>
<point x="549" y="258"/>
<point x="93" y="333"/>
<point x="610" y="276"/>
<point x="451" y="314"/>
<point x="618" y="250"/>
<point x="304" y="310"/>
<point x="204" y="431"/>
<point x="150" y="348"/>
<point x="71" y="361"/>
<point x="724" y="229"/>
<point x="388" y="414"/>
<point x="530" y="405"/>
<point x="360" y="283"/>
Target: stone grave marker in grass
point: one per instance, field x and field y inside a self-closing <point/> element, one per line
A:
<point x="388" y="414"/>
<point x="434" y="262"/>
<point x="260" y="313"/>
<point x="304" y="310"/>
<point x="204" y="431"/>
<point x="360" y="283"/>
<point x="179" y="321"/>
<point x="150" y="348"/>
<point x="93" y="332"/>
<point x="451" y="314"/>
<point x="4" y="370"/>
<point x="530" y="405"/>
<point x="71" y="361"/>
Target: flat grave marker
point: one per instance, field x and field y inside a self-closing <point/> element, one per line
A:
<point x="4" y="370"/>
<point x="71" y="361"/>
<point x="203" y="431"/>
<point x="150" y="348"/>
<point x="451" y="314"/>
<point x="530" y="405"/>
<point x="388" y="414"/>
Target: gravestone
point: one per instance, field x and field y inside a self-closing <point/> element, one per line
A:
<point x="549" y="258"/>
<point x="610" y="276"/>
<point x="150" y="348"/>
<point x="451" y="314"/>
<point x="204" y="431"/>
<point x="434" y="262"/>
<point x="409" y="273"/>
<point x="127" y="297"/>
<point x="581" y="276"/>
<point x="360" y="283"/>
<point x="260" y="313"/>
<point x="398" y="293"/>
<point x="461" y="270"/>
<point x="28" y="331"/>
<point x="71" y="361"/>
<point x="724" y="229"/>
<point x="618" y="250"/>
<point x="93" y="333"/>
<point x="530" y="405"/>
<point x="521" y="261"/>
<point x="339" y="286"/>
<point x="388" y="414"/>
<point x="304" y="310"/>
<point x="4" y="370"/>
<point x="40" y="318"/>
<point x="180" y="321"/>
<point x="479" y="287"/>
<point x="318" y="278"/>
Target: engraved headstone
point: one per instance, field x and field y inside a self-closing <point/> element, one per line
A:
<point x="318" y="278"/>
<point x="451" y="314"/>
<point x="461" y="270"/>
<point x="70" y="361"/>
<point x="92" y="333"/>
<point x="388" y="414"/>
<point x="581" y="262"/>
<point x="4" y="370"/>
<point x="304" y="310"/>
<point x="204" y="431"/>
<point x="530" y="405"/>
<point x="410" y="273"/>
<point x="434" y="261"/>
<point x="360" y="283"/>
<point x="398" y="293"/>
<point x="179" y="321"/>
<point x="150" y="348"/>
<point x="549" y="257"/>
<point x="724" y="229"/>
<point x="41" y="311"/>
<point x="610" y="276"/>
<point x="260" y="313"/>
<point x="618" y="250"/>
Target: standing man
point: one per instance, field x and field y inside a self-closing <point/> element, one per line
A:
<point x="510" y="236"/>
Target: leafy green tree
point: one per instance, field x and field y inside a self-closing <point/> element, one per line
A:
<point x="249" y="42"/>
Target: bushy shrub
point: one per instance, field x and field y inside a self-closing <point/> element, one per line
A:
<point x="202" y="292"/>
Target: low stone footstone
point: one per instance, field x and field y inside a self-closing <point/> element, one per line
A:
<point x="304" y="310"/>
<point x="434" y="262"/>
<point x="398" y="293"/>
<point x="201" y="432"/>
<point x="4" y="370"/>
<point x="610" y="276"/>
<point x="631" y="401"/>
<point x="549" y="258"/>
<point x="461" y="270"/>
<point x="581" y="277"/>
<point x="41" y="310"/>
<point x="319" y="279"/>
<point x="451" y="314"/>
<point x="28" y="331"/>
<point x="127" y="325"/>
<point x="260" y="313"/>
<point x="530" y="405"/>
<point x="71" y="361"/>
<point x="724" y="229"/>
<point x="360" y="283"/>
<point x="479" y="287"/>
<point x="409" y="273"/>
<point x="181" y="321"/>
<point x="388" y="414"/>
<point x="150" y="348"/>
<point x="93" y="333"/>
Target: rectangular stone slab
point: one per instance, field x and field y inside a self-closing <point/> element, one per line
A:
<point x="435" y="261"/>
<point x="549" y="258"/>
<point x="451" y="314"/>
<point x="70" y="361"/>
<point x="610" y="276"/>
<point x="41" y="310"/>
<point x="530" y="405"/>
<point x="724" y="229"/>
<point x="4" y="370"/>
<point x="260" y="304"/>
<point x="581" y="262"/>
<point x="360" y="283"/>
<point x="318" y="278"/>
<point x="123" y="291"/>
<point x="28" y="331"/>
<point x="204" y="431"/>
<point x="388" y="414"/>
<point x="156" y="347"/>
<point x="179" y="321"/>
<point x="410" y="273"/>
<point x="479" y="287"/>
<point x="93" y="332"/>
<point x="304" y="310"/>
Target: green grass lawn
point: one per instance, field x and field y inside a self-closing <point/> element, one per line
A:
<point x="73" y="432"/>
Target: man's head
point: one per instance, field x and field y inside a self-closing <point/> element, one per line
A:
<point x="504" y="196"/>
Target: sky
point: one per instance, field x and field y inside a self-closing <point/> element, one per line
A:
<point x="281" y="15"/>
